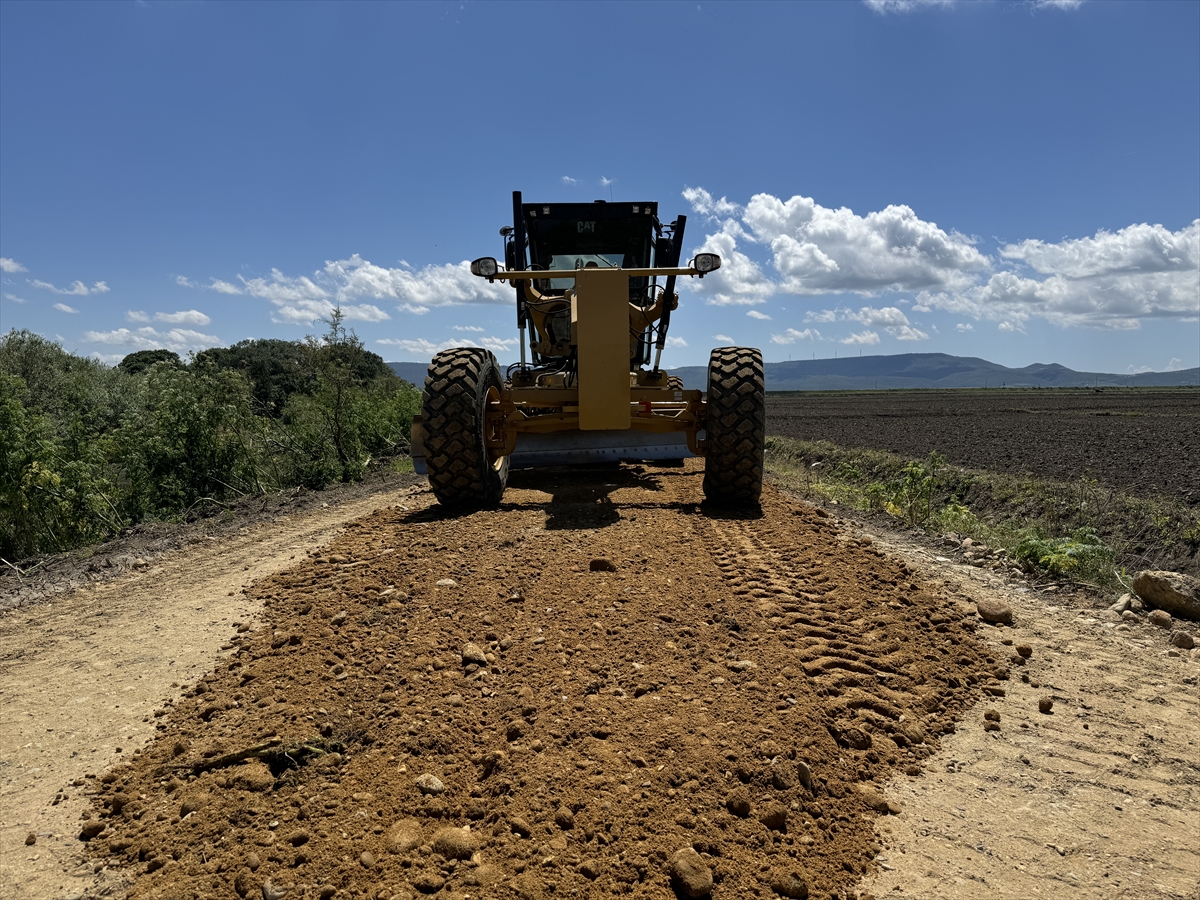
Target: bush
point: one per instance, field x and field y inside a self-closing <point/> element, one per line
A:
<point x="86" y="449"/>
<point x="1082" y="554"/>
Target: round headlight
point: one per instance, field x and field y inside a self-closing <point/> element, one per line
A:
<point x="484" y="267"/>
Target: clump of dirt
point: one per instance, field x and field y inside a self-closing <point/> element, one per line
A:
<point x="448" y="705"/>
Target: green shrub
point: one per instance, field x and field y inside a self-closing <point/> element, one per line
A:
<point x="1081" y="554"/>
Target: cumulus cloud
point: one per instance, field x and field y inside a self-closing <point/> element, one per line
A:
<point x="180" y="340"/>
<point x="883" y="7"/>
<point x="474" y="328"/>
<point x="567" y="179"/>
<point x="755" y="314"/>
<point x="1109" y="280"/>
<point x="136" y="315"/>
<point x="964" y="327"/>
<point x="184" y="281"/>
<point x="818" y="250"/>
<point x="1112" y="280"/>
<point x="739" y="281"/>
<point x="62" y="307"/>
<point x="792" y="335"/>
<point x="723" y="337"/>
<point x="11" y="265"/>
<point x="862" y="337"/>
<point x="346" y="283"/>
<point x="183" y="317"/>
<point x="421" y="347"/>
<point x="702" y="202"/>
<point x="676" y="342"/>
<point x="77" y="288"/>
<point x="224" y="287"/>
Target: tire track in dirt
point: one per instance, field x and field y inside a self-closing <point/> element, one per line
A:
<point x="664" y="678"/>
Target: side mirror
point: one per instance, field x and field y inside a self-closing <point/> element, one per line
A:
<point x="706" y="262"/>
<point x="485" y="267"/>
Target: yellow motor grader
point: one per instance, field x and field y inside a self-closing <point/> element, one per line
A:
<point x="595" y="288"/>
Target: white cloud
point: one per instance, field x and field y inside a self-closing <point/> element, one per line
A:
<point x="475" y="328"/>
<point x="11" y="265"/>
<point x="887" y="317"/>
<point x="136" y="315"/>
<point x="818" y="250"/>
<point x="883" y="7"/>
<point x="567" y="179"/>
<point x="1057" y="4"/>
<point x="183" y="317"/>
<point x="1010" y="327"/>
<point x="964" y="327"/>
<point x="907" y="333"/>
<point x="676" y="342"/>
<point x="180" y="340"/>
<point x="739" y="281"/>
<point x="1174" y="365"/>
<point x="703" y="203"/>
<point x="76" y="288"/>
<point x="62" y="307"/>
<point x="792" y="335"/>
<point x="13" y="298"/>
<point x="421" y="347"/>
<point x="184" y="281"/>
<point x="415" y="310"/>
<point x="224" y="287"/>
<point x="1112" y="280"/>
<point x="862" y="337"/>
<point x="755" y="314"/>
<point x="723" y="337"/>
<point x="606" y="182"/>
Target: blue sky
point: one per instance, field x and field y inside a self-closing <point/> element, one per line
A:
<point x="1013" y="180"/>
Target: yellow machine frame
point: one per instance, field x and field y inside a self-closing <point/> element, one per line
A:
<point x="608" y="396"/>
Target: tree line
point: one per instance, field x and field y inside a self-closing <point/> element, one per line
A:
<point x="87" y="449"/>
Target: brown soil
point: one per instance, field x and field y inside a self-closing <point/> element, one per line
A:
<point x="1060" y="434"/>
<point x="662" y="668"/>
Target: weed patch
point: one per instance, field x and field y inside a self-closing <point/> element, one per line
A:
<point x="1080" y="530"/>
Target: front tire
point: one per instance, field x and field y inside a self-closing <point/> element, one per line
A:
<point x="458" y="387"/>
<point x="736" y="426"/>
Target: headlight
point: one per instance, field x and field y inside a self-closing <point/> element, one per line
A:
<point x="485" y="267"/>
<point x="706" y="262"/>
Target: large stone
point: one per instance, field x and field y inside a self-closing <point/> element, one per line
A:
<point x="995" y="611"/>
<point x="789" y="884"/>
<point x="1174" y="592"/>
<point x="454" y="843"/>
<point x="689" y="874"/>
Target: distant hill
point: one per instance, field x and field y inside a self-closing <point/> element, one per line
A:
<point x="907" y="371"/>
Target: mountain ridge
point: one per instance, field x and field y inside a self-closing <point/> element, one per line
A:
<point x="908" y="371"/>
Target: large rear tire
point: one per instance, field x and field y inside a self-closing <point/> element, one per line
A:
<point x="458" y="387"/>
<point x="736" y="427"/>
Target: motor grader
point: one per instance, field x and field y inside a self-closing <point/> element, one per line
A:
<point x="595" y="288"/>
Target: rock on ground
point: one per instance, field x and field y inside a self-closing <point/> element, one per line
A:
<point x="1174" y="592"/>
<point x="994" y="610"/>
<point x="689" y="873"/>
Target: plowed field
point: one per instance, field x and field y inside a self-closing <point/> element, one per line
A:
<point x="1140" y="441"/>
<point x="594" y="682"/>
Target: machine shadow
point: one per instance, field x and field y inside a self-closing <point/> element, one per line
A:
<point x="580" y="496"/>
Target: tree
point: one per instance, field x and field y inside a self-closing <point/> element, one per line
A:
<point x="140" y="360"/>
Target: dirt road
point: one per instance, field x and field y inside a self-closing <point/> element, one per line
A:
<point x="555" y="697"/>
